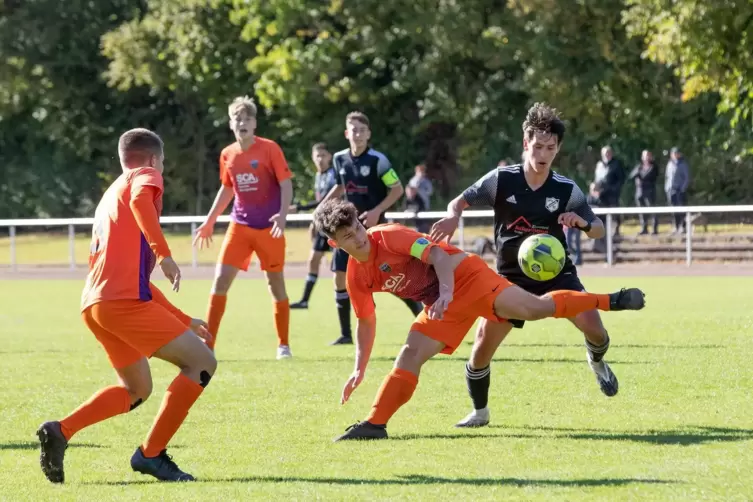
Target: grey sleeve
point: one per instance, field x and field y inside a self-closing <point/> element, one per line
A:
<point x="579" y="205"/>
<point x="383" y="164"/>
<point x="484" y="191"/>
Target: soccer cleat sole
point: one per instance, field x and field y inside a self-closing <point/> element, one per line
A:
<point x="53" y="473"/>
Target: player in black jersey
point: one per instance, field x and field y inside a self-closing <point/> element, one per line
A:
<point x="529" y="199"/>
<point x="366" y="178"/>
<point x="323" y="183"/>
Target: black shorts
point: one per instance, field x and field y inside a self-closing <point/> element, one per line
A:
<point x="320" y="244"/>
<point x="567" y="280"/>
<point x="339" y="260"/>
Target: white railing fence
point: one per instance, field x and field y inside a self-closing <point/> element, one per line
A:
<point x="607" y="214"/>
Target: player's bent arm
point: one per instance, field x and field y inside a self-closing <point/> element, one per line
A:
<point x="336" y="192"/>
<point x="597" y="229"/>
<point x="456" y="206"/>
<point x="365" y="334"/>
<point x="147" y="219"/>
<point x="444" y="266"/>
<point x="286" y="196"/>
<point x="221" y="201"/>
<point x="396" y="191"/>
<point x="160" y="298"/>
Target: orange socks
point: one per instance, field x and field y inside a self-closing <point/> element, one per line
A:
<point x="282" y="321"/>
<point x="571" y="303"/>
<point x="214" y="315"/>
<point x="396" y="390"/>
<point x="105" y="404"/>
<point x="180" y="396"/>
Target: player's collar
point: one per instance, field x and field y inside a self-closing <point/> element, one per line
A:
<point x="525" y="181"/>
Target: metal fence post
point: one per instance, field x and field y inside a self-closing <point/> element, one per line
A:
<point x="688" y="239"/>
<point x="461" y="233"/>
<point x="610" y="250"/>
<point x="194" y="251"/>
<point x="13" y="264"/>
<point x="71" y="247"/>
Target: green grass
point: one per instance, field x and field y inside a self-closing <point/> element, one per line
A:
<point x="680" y="428"/>
<point x="53" y="248"/>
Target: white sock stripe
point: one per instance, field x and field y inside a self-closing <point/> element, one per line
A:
<point x="597" y="349"/>
<point x="341" y="295"/>
<point x="311" y="278"/>
<point x="477" y="374"/>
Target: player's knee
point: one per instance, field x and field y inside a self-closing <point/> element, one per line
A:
<point x="139" y="393"/>
<point x="221" y="284"/>
<point x="538" y="308"/>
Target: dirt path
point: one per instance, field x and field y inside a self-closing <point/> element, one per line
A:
<point x="299" y="271"/>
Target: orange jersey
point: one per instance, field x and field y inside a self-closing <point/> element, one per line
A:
<point x="398" y="264"/>
<point x="126" y="239"/>
<point x="255" y="176"/>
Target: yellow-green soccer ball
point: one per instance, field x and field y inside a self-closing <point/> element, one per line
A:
<point x="541" y="257"/>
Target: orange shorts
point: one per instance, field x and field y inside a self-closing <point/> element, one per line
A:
<point x="241" y="242"/>
<point x="476" y="288"/>
<point x="131" y="329"/>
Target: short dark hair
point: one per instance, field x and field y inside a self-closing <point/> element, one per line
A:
<point x="137" y="145"/>
<point x="319" y="146"/>
<point x="358" y="117"/>
<point x="333" y="215"/>
<point x="542" y="118"/>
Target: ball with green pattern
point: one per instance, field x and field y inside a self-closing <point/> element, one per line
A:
<point x="541" y="257"/>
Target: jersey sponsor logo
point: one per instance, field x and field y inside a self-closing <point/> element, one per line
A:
<point x="551" y="204"/>
<point x="351" y="187"/>
<point x="395" y="283"/>
<point x="246" y="182"/>
<point x="511" y="199"/>
<point x="523" y="226"/>
<point x="365" y="171"/>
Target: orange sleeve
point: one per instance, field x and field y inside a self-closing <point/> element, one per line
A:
<point x="225" y="177"/>
<point x="159" y="297"/>
<point x="144" y="211"/>
<point x="406" y="241"/>
<point x="360" y="297"/>
<point x="279" y="164"/>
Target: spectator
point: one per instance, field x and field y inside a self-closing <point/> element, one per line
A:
<point x="414" y="203"/>
<point x="572" y="236"/>
<point x="607" y="185"/>
<point x="645" y="176"/>
<point x="676" y="183"/>
<point x="423" y="185"/>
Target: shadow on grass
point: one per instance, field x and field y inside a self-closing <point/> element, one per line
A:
<point x="34" y="445"/>
<point x="555" y="360"/>
<point x="418" y="479"/>
<point x="683" y="436"/>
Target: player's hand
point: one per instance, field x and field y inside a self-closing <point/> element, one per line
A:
<point x="444" y="228"/>
<point x="438" y="308"/>
<point x="201" y="329"/>
<point x="571" y="220"/>
<point x="278" y="225"/>
<point x="171" y="271"/>
<point x="353" y="382"/>
<point x="370" y="218"/>
<point x="204" y="235"/>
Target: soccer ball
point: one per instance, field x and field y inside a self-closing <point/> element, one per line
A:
<point x="541" y="257"/>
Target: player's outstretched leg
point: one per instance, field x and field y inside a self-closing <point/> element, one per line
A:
<point x="516" y="303"/>
<point x="276" y="284"/>
<point x="197" y="365"/>
<point x="397" y="388"/>
<point x="597" y="344"/>
<point x="478" y="370"/>
<point x="136" y="385"/>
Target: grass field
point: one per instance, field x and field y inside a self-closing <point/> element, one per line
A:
<point x="680" y="428"/>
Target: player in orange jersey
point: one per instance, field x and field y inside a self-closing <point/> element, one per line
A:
<point x="456" y="288"/>
<point x="254" y="171"/>
<point x="132" y="319"/>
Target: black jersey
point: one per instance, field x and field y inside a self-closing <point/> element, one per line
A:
<point x="520" y="211"/>
<point x="366" y="178"/>
<point x="323" y="183"/>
